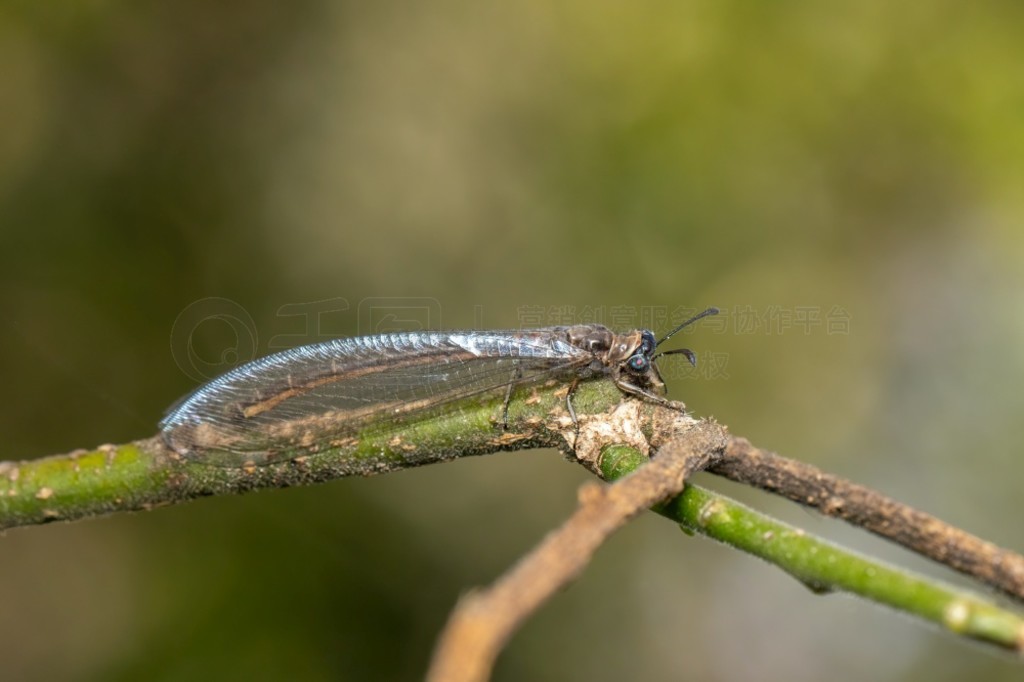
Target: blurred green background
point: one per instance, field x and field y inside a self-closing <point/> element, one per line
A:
<point x="843" y="179"/>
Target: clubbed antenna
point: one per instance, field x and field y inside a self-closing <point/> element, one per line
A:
<point x="706" y="313"/>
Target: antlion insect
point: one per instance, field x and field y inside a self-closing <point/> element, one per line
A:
<point x="298" y="398"/>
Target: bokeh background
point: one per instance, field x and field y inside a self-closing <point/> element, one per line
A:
<point x="844" y="180"/>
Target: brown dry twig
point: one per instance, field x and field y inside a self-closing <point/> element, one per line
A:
<point x="860" y="506"/>
<point x="484" y="620"/>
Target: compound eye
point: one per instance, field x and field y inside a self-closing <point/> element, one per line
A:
<point x="638" y="363"/>
<point x="647" y="342"/>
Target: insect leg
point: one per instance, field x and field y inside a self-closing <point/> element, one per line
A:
<point x="633" y="389"/>
<point x="517" y="374"/>
<point x="569" y="407"/>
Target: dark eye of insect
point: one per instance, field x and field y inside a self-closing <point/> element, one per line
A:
<point x="647" y="342"/>
<point x="638" y="363"/>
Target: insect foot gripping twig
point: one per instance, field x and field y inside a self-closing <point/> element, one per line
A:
<point x="634" y="422"/>
<point x="484" y="619"/>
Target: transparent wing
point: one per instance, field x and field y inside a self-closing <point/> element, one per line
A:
<point x="317" y="395"/>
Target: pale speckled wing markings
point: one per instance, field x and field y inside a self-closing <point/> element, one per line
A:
<point x="312" y="394"/>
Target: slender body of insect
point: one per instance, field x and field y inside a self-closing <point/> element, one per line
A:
<point x="310" y="396"/>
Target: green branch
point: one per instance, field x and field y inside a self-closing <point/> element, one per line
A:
<point x="146" y="473"/>
<point x="824" y="567"/>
